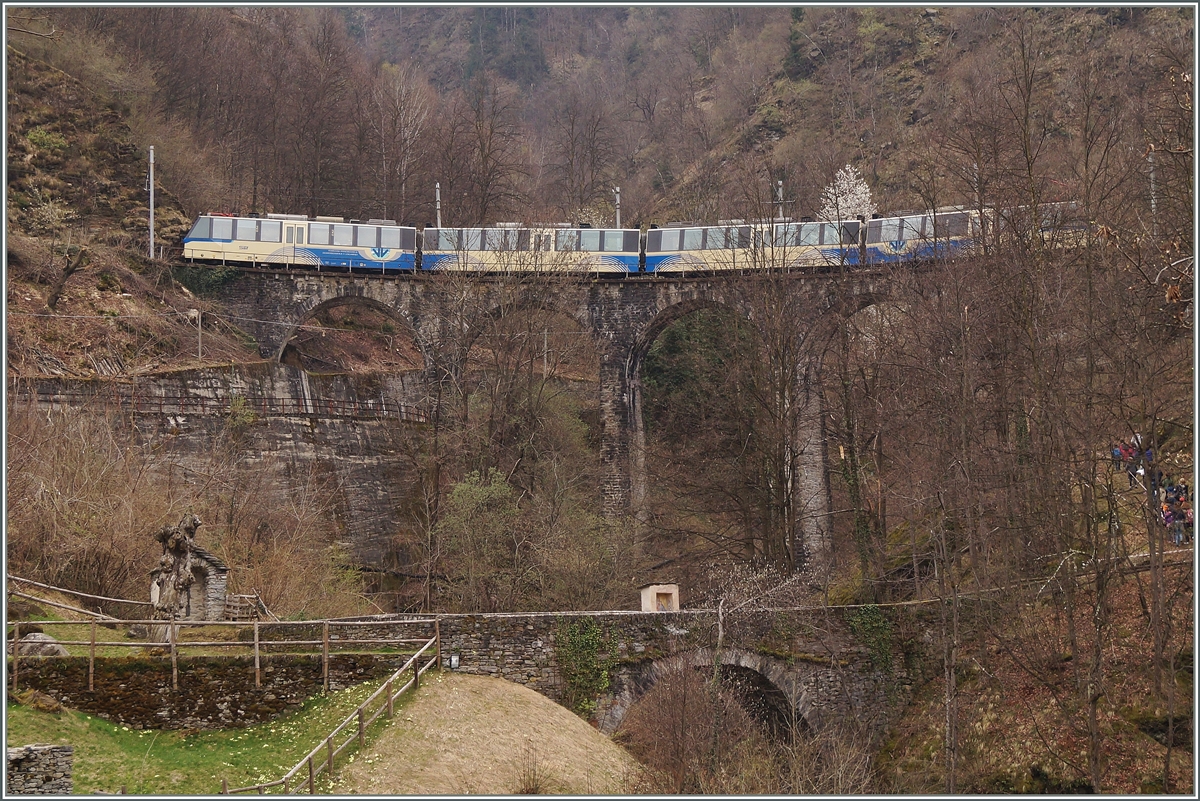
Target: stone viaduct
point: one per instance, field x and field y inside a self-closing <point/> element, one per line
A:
<point x="443" y="313"/>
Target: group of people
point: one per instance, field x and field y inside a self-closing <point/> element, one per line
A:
<point x="1176" y="512"/>
<point x="1175" y="507"/>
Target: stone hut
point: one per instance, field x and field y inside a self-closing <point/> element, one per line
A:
<point x="660" y="597"/>
<point x="206" y="594"/>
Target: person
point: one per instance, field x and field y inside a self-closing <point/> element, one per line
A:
<point x="1116" y="457"/>
<point x="1167" y="520"/>
<point x="1187" y="521"/>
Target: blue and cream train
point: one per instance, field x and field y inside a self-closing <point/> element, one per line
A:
<point x="288" y="240"/>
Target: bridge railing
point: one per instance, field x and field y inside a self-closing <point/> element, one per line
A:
<point x="259" y="405"/>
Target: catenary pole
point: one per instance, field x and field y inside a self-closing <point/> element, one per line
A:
<point x="151" y="202"/>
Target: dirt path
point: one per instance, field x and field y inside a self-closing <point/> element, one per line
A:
<point x="465" y="734"/>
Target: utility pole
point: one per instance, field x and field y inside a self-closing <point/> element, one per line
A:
<point x="779" y="199"/>
<point x="151" y="183"/>
<point x="196" y="314"/>
<point x="437" y="194"/>
<point x="617" y="192"/>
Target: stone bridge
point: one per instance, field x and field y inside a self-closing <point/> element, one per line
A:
<point x="623" y="318"/>
<point x="805" y="666"/>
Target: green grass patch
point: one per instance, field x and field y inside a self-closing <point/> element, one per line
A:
<point x="109" y="756"/>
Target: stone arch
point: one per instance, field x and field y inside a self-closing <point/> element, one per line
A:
<point x="672" y="313"/>
<point x="632" y="682"/>
<point x="336" y="301"/>
<point x="643" y="341"/>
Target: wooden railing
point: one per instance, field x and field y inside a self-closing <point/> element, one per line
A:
<point x="259" y="645"/>
<point x="354" y="727"/>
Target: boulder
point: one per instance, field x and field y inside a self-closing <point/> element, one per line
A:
<point x="39" y="644"/>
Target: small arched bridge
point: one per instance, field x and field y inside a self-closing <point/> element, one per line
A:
<point x="442" y="313"/>
<point x="804" y="667"/>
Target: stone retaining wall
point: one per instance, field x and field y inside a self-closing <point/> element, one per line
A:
<point x="39" y="769"/>
<point x="214" y="692"/>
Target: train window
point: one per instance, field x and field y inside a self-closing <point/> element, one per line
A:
<point x="438" y="239"/>
<point x="743" y="236"/>
<point x="343" y="234"/>
<point x="270" y="231"/>
<point x="670" y="239"/>
<point x="810" y="234"/>
<point x="613" y="241"/>
<point x="693" y="239"/>
<point x="222" y="228"/>
<point x="472" y="239"/>
<point x="366" y="236"/>
<point x="952" y="224"/>
<point x="912" y="228"/>
<point x="289" y="235"/>
<point x="202" y="229"/>
<point x="512" y="239"/>
<point x="889" y="229"/>
<point x="566" y="239"/>
<point x="589" y="240"/>
<point x="246" y="229"/>
<point x="717" y="239"/>
<point x="318" y="234"/>
<point x="389" y="237"/>
<point x="632" y="245"/>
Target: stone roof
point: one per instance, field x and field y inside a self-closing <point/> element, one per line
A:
<point x="213" y="560"/>
<point x="210" y="557"/>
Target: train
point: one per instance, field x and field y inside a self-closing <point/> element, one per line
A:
<point x="382" y="246"/>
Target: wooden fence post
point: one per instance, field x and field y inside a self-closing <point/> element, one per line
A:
<point x="362" y="730"/>
<point x="92" y="661"/>
<point x="416" y="674"/>
<point x="224" y="787"/>
<point x="329" y="745"/>
<point x="257" y="671"/>
<point x="325" y="654"/>
<point x="16" y="651"/>
<point x="172" y="635"/>
<point x="391" y="703"/>
<point x="437" y="633"/>
<point x="312" y="784"/>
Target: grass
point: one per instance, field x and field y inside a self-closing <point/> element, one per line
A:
<point x="109" y="756"/>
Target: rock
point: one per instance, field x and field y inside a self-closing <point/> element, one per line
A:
<point x="35" y="699"/>
<point x="39" y="644"/>
<point x="24" y="610"/>
<point x="138" y="631"/>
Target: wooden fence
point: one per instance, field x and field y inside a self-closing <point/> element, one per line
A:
<point x="353" y="728"/>
<point x="257" y="643"/>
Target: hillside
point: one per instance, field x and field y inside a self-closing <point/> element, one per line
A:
<point x="963" y="426"/>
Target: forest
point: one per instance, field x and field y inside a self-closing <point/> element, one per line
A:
<point x="968" y="420"/>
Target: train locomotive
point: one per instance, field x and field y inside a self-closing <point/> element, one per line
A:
<point x="382" y="246"/>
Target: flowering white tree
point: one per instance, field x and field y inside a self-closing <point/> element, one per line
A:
<point x="847" y="197"/>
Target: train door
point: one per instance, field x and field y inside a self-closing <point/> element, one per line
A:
<point x="292" y="238"/>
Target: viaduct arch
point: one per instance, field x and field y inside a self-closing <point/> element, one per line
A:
<point x="623" y="316"/>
